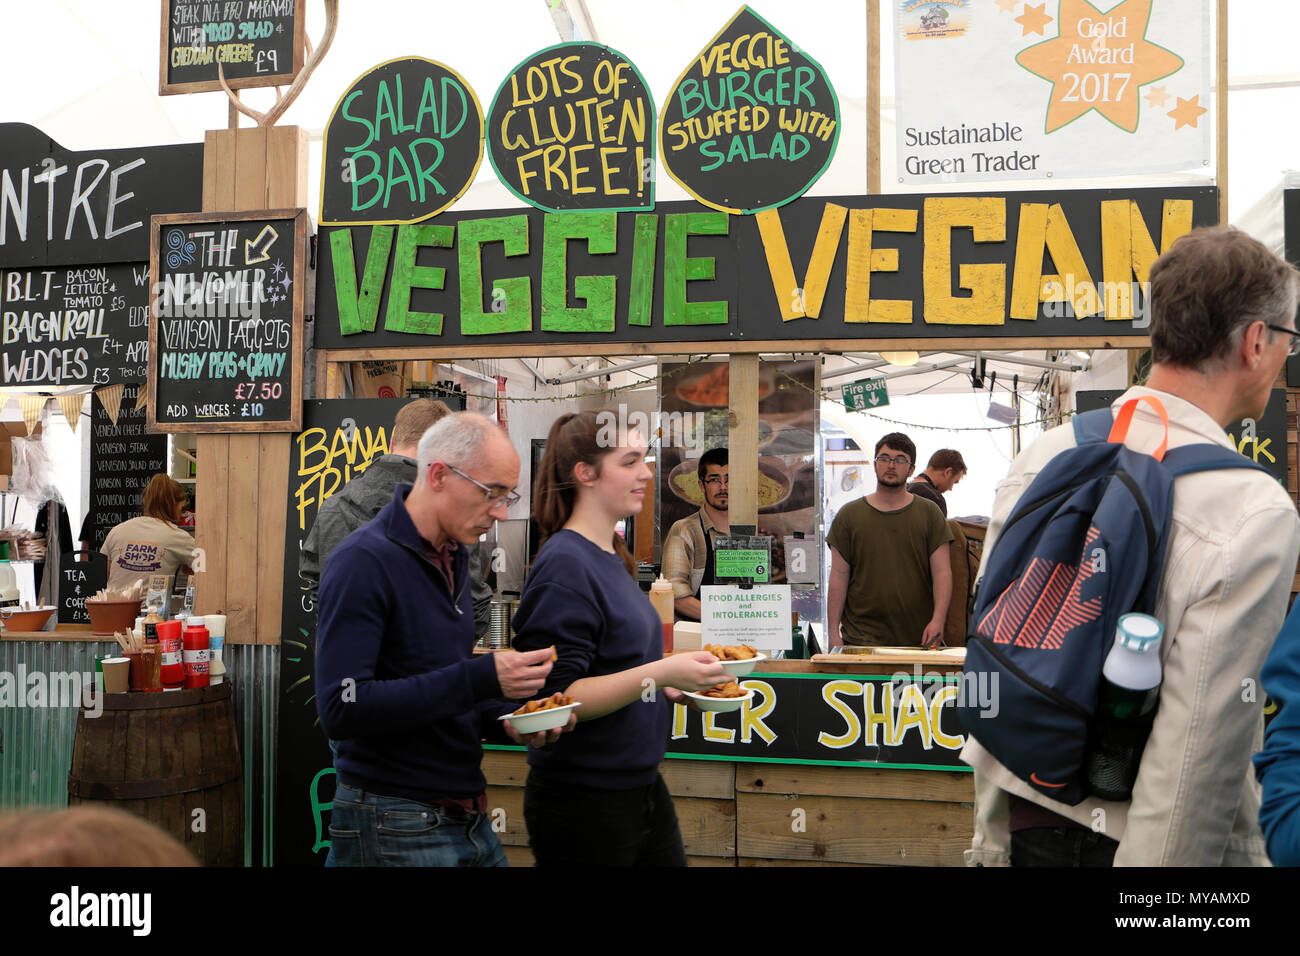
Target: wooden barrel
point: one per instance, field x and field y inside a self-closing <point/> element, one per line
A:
<point x="163" y="757"/>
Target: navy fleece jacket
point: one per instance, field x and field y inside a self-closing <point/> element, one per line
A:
<point x="581" y="599"/>
<point x="1277" y="766"/>
<point x="397" y="685"/>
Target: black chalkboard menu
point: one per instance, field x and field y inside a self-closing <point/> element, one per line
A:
<point x="74" y="325"/>
<point x="123" y="457"/>
<point x="225" y="321"/>
<point x="255" y="43"/>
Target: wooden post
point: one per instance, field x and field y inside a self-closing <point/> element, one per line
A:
<point x="243" y="479"/>
<point x="1221" y="106"/>
<point x="742" y="443"/>
<point x="873" y="95"/>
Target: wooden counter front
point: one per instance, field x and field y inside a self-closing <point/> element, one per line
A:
<point x="752" y="812"/>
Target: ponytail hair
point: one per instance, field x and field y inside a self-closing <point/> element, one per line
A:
<point x="573" y="439"/>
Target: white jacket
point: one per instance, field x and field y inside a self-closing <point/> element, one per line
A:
<point x="1228" y="572"/>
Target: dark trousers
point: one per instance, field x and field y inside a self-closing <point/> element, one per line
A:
<point x="1061" y="846"/>
<point x="581" y="826"/>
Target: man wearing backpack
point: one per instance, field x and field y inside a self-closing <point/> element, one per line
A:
<point x="1222" y="324"/>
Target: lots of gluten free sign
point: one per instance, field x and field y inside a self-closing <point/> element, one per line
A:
<point x="757" y="616"/>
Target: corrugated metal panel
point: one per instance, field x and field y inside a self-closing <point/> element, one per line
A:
<point x="254" y="671"/>
<point x="36" y="742"/>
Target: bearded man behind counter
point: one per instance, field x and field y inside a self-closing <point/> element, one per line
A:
<point x="397" y="685"/>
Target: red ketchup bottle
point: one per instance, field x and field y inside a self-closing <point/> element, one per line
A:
<point x="173" y="668"/>
<point x="195" y="654"/>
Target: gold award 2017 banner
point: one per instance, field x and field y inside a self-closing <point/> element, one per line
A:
<point x="1005" y="89"/>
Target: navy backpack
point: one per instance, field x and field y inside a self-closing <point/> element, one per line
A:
<point x="1084" y="545"/>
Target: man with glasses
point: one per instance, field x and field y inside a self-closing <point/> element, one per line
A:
<point x="891" y="578"/>
<point x="1222" y="310"/>
<point x="688" y="546"/>
<point x="365" y="496"/>
<point x="397" y="685"/>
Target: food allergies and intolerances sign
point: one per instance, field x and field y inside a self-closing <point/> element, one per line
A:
<point x="1006" y="91"/>
<point x="757" y="616"/>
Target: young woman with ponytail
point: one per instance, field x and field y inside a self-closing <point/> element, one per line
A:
<point x="595" y="797"/>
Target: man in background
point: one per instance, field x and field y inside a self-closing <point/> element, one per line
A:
<point x="891" y="577"/>
<point x="366" y="495"/>
<point x="945" y="469"/>
<point x="688" y="546"/>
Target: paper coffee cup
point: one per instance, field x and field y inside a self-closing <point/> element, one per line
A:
<point x="117" y="675"/>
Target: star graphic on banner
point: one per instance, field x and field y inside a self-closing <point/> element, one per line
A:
<point x="1006" y="6"/>
<point x="1187" y="112"/>
<point x="1156" y="96"/>
<point x="1033" y="20"/>
<point x="1113" y="94"/>
<point x="286" y="282"/>
<point x="277" y="268"/>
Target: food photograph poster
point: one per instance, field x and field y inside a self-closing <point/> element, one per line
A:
<point x="695" y="395"/>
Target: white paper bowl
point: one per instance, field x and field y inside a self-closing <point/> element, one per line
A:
<point x="720" y="705"/>
<point x="540" y="720"/>
<point x="741" y="668"/>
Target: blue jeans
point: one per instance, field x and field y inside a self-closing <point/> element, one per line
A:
<point x="369" y="829"/>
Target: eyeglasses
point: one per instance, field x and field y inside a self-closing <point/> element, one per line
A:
<point x="1294" y="348"/>
<point x="716" y="480"/>
<point x="902" y="460"/>
<point x="494" y="496"/>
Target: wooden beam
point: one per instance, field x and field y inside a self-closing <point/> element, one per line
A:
<point x="481" y="350"/>
<point x="742" y="441"/>
<point x="873" y="96"/>
<point x="1221" y="106"/>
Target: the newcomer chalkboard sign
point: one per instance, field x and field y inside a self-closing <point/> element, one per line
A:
<point x="573" y="127"/>
<point x="225" y="322"/>
<point x="254" y="42"/>
<point x="403" y="143"/>
<point x="752" y="122"/>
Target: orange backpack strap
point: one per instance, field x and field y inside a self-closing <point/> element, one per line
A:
<point x="1119" y="431"/>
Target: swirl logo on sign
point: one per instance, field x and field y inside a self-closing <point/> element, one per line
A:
<point x="403" y="144"/>
<point x="180" y="249"/>
<point x="752" y="122"/>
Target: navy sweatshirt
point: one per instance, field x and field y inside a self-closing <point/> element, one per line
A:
<point x="397" y="685"/>
<point x="581" y="599"/>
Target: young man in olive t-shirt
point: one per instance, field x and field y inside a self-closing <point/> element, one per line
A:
<point x="891" y="579"/>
